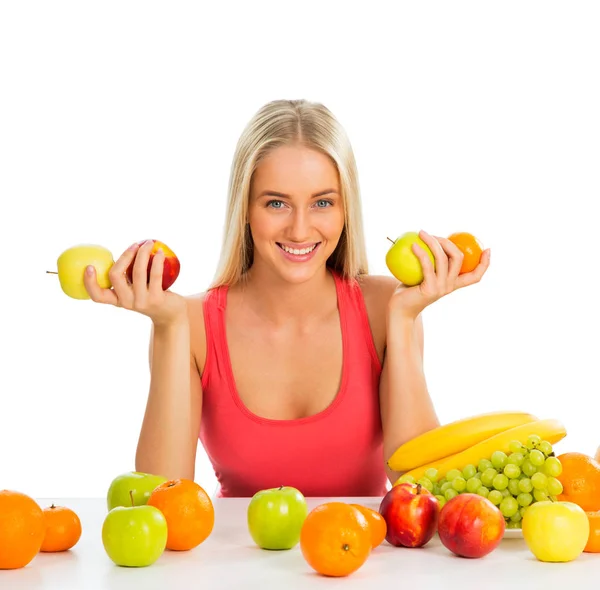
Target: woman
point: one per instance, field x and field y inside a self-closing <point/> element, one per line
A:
<point x="295" y="367"/>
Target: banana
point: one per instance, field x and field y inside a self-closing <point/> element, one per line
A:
<point x="551" y="430"/>
<point x="454" y="437"/>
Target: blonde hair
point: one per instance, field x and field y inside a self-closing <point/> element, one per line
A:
<point x="290" y="122"/>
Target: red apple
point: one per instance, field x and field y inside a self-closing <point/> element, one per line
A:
<point x="171" y="265"/>
<point x="470" y="525"/>
<point x="411" y="515"/>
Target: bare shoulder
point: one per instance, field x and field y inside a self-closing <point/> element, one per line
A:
<point x="195" y="307"/>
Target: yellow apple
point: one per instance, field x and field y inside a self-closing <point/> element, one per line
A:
<point x="555" y="531"/>
<point x="403" y="262"/>
<point x="71" y="266"/>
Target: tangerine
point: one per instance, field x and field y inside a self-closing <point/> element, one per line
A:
<point x="471" y="248"/>
<point x="335" y="539"/>
<point x="580" y="479"/>
<point x="63" y="529"/>
<point x="188" y="510"/>
<point x="377" y="524"/>
<point x="593" y="544"/>
<point x="22" y="529"/>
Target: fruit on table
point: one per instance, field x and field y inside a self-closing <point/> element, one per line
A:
<point x="71" y="265"/>
<point x="137" y="483"/>
<point x="556" y="531"/>
<point x="189" y="512"/>
<point x="335" y="539"/>
<point x="470" y="526"/>
<point x="403" y="262"/>
<point x="580" y="478"/>
<point x="411" y="515"/>
<point x="134" y="536"/>
<point x="275" y="517"/>
<point x="377" y="524"/>
<point x="593" y="544"/>
<point x="22" y="529"/>
<point x="550" y="430"/>
<point x="63" y="528"/>
<point x="171" y="265"/>
<point x="471" y="248"/>
<point x="597" y="455"/>
<point x="454" y="437"/>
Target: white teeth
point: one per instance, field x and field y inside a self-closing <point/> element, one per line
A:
<point x="297" y="251"/>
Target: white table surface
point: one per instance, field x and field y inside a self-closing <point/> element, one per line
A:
<point x="229" y="559"/>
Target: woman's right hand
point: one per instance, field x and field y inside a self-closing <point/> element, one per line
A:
<point x="145" y="297"/>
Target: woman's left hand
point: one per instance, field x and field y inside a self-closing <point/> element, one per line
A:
<point x="444" y="279"/>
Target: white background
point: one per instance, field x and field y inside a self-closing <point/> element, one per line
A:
<point x="118" y="122"/>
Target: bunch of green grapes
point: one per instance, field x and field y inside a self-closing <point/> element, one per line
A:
<point x="511" y="482"/>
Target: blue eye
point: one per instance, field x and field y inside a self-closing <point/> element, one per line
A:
<point x="323" y="203"/>
<point x="272" y="204"/>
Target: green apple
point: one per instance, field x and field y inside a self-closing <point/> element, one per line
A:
<point x="276" y="516"/>
<point x="134" y="536"/>
<point x="403" y="262"/>
<point x="71" y="265"/>
<point x="133" y="484"/>
<point x="555" y="531"/>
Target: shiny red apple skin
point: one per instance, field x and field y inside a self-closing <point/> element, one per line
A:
<point x="411" y="513"/>
<point x="470" y="526"/>
<point x="171" y="266"/>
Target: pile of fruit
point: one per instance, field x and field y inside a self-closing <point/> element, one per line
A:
<point x="506" y="457"/>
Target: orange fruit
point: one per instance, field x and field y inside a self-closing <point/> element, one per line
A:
<point x="580" y="478"/>
<point x="22" y="529"/>
<point x="377" y="524"/>
<point x="335" y="539"/>
<point x="63" y="528"/>
<point x="471" y="248"/>
<point x="188" y="510"/>
<point x="593" y="544"/>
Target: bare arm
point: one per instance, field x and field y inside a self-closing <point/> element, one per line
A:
<point x="169" y="434"/>
<point x="406" y="407"/>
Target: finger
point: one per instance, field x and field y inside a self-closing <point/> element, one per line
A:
<point x="441" y="260"/>
<point x="140" y="271"/>
<point x="118" y="279"/>
<point x="96" y="292"/>
<point x="156" y="272"/>
<point x="426" y="264"/>
<point x="477" y="273"/>
<point x="454" y="254"/>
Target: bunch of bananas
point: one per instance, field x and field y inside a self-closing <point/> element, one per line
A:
<point x="465" y="442"/>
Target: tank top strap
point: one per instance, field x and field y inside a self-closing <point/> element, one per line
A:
<point x="213" y="309"/>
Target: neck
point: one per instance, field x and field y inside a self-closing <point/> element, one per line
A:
<point x="280" y="302"/>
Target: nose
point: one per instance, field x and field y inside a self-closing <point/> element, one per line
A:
<point x="300" y="225"/>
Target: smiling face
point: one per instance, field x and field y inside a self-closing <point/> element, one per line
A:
<point x="295" y="212"/>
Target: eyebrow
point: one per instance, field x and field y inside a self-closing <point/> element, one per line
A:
<point x="270" y="193"/>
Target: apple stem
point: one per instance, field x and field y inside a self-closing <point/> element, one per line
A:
<point x="419" y="486"/>
<point x="131" y="496"/>
<point x="51" y="272"/>
<point x="390" y="239"/>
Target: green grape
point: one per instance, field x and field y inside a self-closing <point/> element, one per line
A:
<point x="513" y="525"/>
<point x="431" y="474"/>
<point x="540" y="495"/>
<point x="546" y="448"/>
<point x="500" y="482"/>
<point x="406" y="478"/>
<point x="478" y="476"/>
<point x="537" y="458"/>
<point x="442" y="481"/>
<point x="452" y="474"/>
<point x="441" y="500"/>
<point x="459" y="483"/>
<point x="424" y="481"/>
<point x="436" y="489"/>
<point x="509" y="506"/>
<point x="495" y="497"/>
<point x="483" y="465"/>
<point x="524" y="499"/>
<point x="539" y="481"/>
<point x="554" y="487"/>
<point x="515" y="446"/>
<point x="449" y="494"/>
<point x="516" y="517"/>
<point x="487" y="477"/>
<point x="523" y="510"/>
<point x="553" y="466"/>
<point x="473" y="484"/>
<point x="498" y="459"/>
<point x="533" y="440"/>
<point x="513" y="487"/>
<point x="445" y="486"/>
<point x="525" y="485"/>
<point x="505" y="492"/>
<point x="528" y="468"/>
<point x="469" y="471"/>
<point x="482" y="491"/>
<point x="515" y="459"/>
<point x="512" y="471"/>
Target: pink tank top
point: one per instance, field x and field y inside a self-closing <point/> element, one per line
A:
<point x="337" y="452"/>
